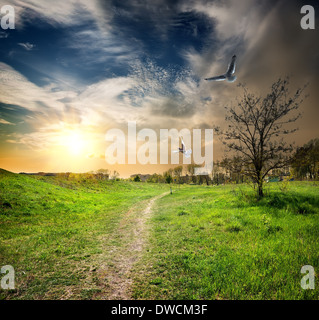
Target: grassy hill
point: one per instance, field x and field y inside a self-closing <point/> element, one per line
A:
<point x="205" y="242"/>
<point x="53" y="230"/>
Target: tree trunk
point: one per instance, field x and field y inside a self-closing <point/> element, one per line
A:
<point x="260" y="191"/>
<point x="260" y="181"/>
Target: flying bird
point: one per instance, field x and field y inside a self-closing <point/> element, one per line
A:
<point x="229" y="75"/>
<point x="183" y="150"/>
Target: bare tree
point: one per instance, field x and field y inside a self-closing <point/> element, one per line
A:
<point x="257" y="127"/>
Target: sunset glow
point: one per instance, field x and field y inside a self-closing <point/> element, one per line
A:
<point x="71" y="71"/>
<point x="74" y="143"/>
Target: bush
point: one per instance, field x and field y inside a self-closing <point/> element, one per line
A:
<point x="305" y="208"/>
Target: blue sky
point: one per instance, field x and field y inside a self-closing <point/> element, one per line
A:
<point x="79" y="66"/>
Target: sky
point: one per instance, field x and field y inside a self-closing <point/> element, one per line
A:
<point x="72" y="70"/>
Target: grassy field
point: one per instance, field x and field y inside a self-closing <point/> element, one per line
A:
<point x="56" y="233"/>
<point x="204" y="242"/>
<point x="220" y="243"/>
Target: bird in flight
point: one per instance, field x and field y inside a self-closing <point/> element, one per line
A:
<point x="229" y="75"/>
<point x="183" y="150"/>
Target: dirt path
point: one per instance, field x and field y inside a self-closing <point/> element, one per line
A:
<point x="127" y="249"/>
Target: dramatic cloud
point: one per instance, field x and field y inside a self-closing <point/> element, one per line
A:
<point x="269" y="43"/>
<point x="87" y="66"/>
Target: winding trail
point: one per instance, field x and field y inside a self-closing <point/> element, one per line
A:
<point x="127" y="249"/>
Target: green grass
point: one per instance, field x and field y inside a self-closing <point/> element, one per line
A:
<point x="220" y="243"/>
<point x="205" y="242"/>
<point x="53" y="231"/>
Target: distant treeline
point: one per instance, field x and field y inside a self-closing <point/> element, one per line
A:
<point x="101" y="174"/>
<point x="303" y="165"/>
<point x="174" y="175"/>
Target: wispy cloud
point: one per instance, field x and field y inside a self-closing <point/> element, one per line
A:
<point x="96" y="46"/>
<point x="27" y="46"/>
<point x="67" y="13"/>
<point x="18" y="90"/>
<point x="2" y="121"/>
<point x="3" y="35"/>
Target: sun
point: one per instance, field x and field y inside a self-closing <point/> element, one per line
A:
<point x="74" y="143"/>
